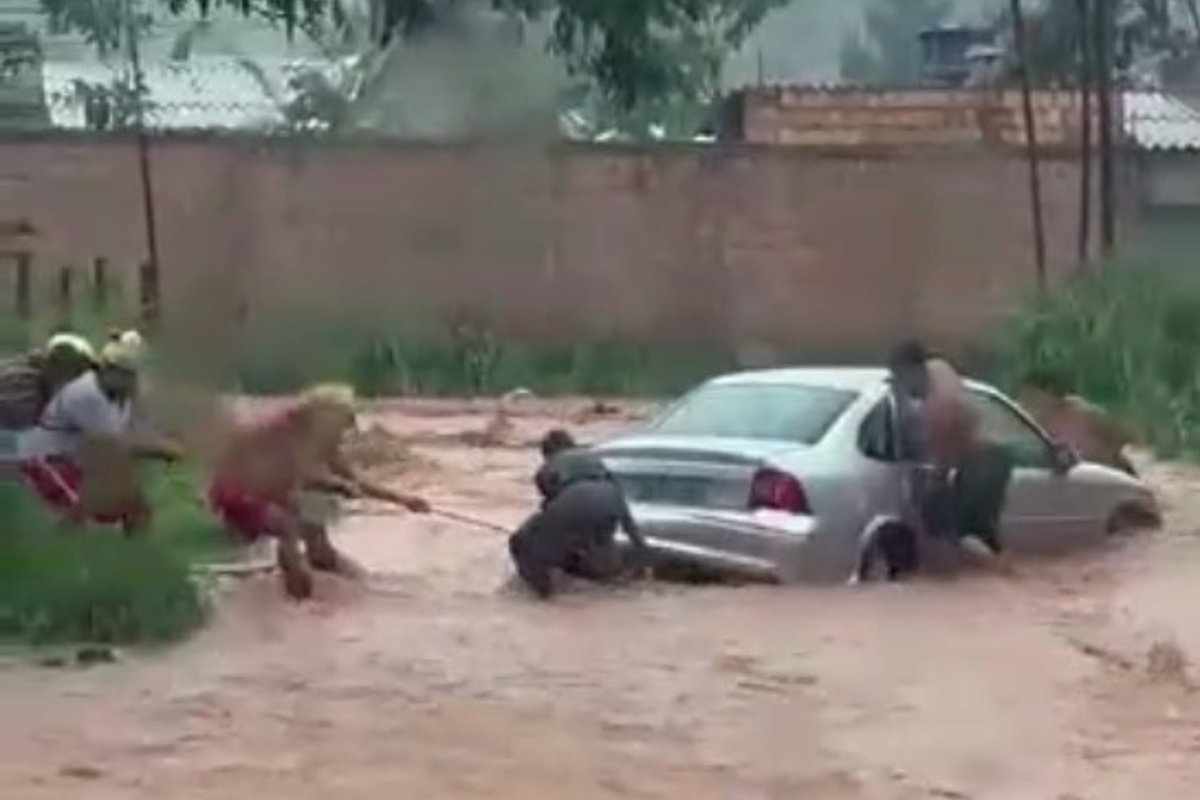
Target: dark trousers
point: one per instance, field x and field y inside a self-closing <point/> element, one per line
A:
<point x="970" y="500"/>
<point x="574" y="532"/>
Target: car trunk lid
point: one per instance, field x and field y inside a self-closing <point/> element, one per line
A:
<point x="698" y="472"/>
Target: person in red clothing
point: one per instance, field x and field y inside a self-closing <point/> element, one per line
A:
<point x="79" y="457"/>
<point x="272" y="472"/>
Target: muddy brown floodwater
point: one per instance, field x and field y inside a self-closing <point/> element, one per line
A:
<point x="437" y="681"/>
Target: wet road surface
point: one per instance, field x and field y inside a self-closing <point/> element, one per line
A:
<point x="437" y="679"/>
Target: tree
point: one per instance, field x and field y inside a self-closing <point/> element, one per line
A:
<point x="626" y="48"/>
<point x="886" y="50"/>
<point x="1150" y="35"/>
<point x="697" y="49"/>
<point x="632" y="60"/>
<point x="104" y="24"/>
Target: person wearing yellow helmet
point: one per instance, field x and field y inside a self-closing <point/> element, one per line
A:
<point x="269" y="470"/>
<point x="84" y="437"/>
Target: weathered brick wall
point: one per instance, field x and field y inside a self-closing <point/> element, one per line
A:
<point x="728" y="247"/>
<point x="802" y="116"/>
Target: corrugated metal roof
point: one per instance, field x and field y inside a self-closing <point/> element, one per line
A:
<point x="201" y="93"/>
<point x="1159" y="121"/>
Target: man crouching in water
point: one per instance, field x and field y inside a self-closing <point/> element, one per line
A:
<point x="575" y="530"/>
<point x="269" y="471"/>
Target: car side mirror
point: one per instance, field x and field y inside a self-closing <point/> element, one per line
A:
<point x="1064" y="458"/>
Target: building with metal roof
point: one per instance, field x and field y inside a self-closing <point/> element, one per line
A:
<point x="200" y="93"/>
<point x="1157" y="121"/>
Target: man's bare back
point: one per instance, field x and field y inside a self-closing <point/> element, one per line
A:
<point x="268" y="466"/>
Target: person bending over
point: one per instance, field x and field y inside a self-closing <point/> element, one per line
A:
<point x="574" y="531"/>
<point x="79" y="456"/>
<point x="959" y="478"/>
<point x="278" y="477"/>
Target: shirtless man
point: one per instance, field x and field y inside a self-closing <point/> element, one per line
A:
<point x="1087" y="429"/>
<point x="271" y="471"/>
<point x="960" y="479"/>
<point x="85" y="439"/>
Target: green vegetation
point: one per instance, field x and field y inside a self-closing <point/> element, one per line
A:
<point x="97" y="586"/>
<point x="471" y="361"/>
<point x="629" y="51"/>
<point x="1128" y="337"/>
<point x="94" y="586"/>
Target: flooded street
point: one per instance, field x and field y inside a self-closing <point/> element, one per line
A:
<point x="437" y="680"/>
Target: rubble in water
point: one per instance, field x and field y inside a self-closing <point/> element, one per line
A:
<point x="380" y="451"/>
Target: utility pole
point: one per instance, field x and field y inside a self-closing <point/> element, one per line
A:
<point x="1103" y="18"/>
<point x="1031" y="143"/>
<point x="1083" y="9"/>
<point x="150" y="277"/>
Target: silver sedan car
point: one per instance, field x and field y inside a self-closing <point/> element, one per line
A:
<point x="791" y="474"/>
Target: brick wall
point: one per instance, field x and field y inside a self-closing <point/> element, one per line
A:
<point x="802" y="116"/>
<point x="731" y="247"/>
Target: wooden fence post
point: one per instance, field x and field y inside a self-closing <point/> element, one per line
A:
<point x="148" y="294"/>
<point x="24" y="299"/>
<point x="100" y="284"/>
<point x="66" y="280"/>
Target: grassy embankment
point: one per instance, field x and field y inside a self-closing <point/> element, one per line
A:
<point x="1127" y="337"/>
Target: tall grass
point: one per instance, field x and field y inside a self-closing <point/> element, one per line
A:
<point x="96" y="586"/>
<point x="91" y="586"/>
<point x="466" y="361"/>
<point x="1126" y="336"/>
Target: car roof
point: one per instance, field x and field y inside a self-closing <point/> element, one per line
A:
<point x="855" y="379"/>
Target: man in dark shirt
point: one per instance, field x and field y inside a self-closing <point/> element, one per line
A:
<point x="575" y="530"/>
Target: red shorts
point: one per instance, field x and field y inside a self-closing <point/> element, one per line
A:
<point x="249" y="515"/>
<point x="57" y="480"/>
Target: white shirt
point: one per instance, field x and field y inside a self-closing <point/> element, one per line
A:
<point x="80" y="409"/>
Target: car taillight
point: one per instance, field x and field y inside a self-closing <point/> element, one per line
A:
<point x="778" y="491"/>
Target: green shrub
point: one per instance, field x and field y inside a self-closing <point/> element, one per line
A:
<point x="466" y="362"/>
<point x="183" y="524"/>
<point x="1128" y="337"/>
<point x="98" y="586"/>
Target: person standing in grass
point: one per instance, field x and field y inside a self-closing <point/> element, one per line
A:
<point x="1089" y="430"/>
<point x="278" y="477"/>
<point x="79" y="456"/>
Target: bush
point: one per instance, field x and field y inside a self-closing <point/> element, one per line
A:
<point x="470" y="361"/>
<point x="97" y="586"/>
<point x="1128" y="337"/>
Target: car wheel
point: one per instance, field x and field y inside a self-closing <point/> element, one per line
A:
<point x="891" y="555"/>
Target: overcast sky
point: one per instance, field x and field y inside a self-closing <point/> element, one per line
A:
<point x="802" y="42"/>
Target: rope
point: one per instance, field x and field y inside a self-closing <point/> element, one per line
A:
<point x="453" y="516"/>
<point x="468" y="520"/>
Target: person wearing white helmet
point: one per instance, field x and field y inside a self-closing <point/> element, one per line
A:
<point x="85" y="435"/>
<point x="28" y="382"/>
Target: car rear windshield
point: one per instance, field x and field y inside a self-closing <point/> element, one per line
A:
<point x="784" y="412"/>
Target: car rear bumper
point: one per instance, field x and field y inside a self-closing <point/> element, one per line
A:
<point x="763" y="544"/>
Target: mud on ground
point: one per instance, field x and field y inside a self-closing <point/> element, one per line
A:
<point x="436" y="680"/>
